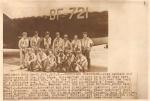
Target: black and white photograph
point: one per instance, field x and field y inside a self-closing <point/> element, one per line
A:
<point x="70" y="39"/>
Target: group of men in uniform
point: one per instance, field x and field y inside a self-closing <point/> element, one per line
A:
<point x="61" y="55"/>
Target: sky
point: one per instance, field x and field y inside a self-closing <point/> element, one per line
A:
<point x="28" y="8"/>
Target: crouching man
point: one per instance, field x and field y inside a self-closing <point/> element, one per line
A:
<point x="50" y="65"/>
<point x="80" y="63"/>
<point x="61" y="61"/>
<point x="41" y="59"/>
<point x="69" y="61"/>
<point x="31" y="60"/>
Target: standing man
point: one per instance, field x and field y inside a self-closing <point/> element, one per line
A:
<point x="76" y="44"/>
<point x="86" y="43"/>
<point x="57" y="44"/>
<point x="47" y="42"/>
<point x="23" y="45"/>
<point x="35" y="41"/>
<point x="66" y="44"/>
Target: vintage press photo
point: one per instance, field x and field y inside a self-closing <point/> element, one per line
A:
<point x="68" y="50"/>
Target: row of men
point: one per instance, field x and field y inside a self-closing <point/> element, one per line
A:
<point x="41" y="61"/>
<point x="84" y="45"/>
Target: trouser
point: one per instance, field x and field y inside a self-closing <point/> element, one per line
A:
<point x="55" y="51"/>
<point x="86" y="53"/>
<point x="47" y="51"/>
<point x="35" y="50"/>
<point x="22" y="57"/>
<point x="50" y="67"/>
<point x="33" y="66"/>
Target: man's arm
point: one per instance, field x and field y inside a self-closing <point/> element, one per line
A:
<point x="27" y="44"/>
<point x="19" y="44"/>
<point x="91" y="43"/>
<point x="53" y="45"/>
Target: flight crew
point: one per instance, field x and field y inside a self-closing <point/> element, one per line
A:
<point x="23" y="45"/>
<point x="57" y="44"/>
<point x="76" y="44"/>
<point x="86" y="44"/>
<point x="64" y="56"/>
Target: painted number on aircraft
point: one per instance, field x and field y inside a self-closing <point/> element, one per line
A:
<point x="78" y="12"/>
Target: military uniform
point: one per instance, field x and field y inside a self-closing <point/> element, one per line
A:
<point x="76" y="45"/>
<point x="57" y="45"/>
<point x="61" y="61"/>
<point x="47" y="43"/>
<point x="66" y="45"/>
<point x="35" y="43"/>
<point x="81" y="63"/>
<point x="23" y="45"/>
<point x="69" y="61"/>
<point x="41" y="58"/>
<point x="87" y="43"/>
<point x="31" y="62"/>
<point x="50" y="63"/>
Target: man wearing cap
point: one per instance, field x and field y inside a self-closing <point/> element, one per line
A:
<point x="23" y="45"/>
<point x="57" y="43"/>
<point x="35" y="41"/>
<point x="76" y="44"/>
<point x="86" y="44"/>
<point x="66" y="44"/>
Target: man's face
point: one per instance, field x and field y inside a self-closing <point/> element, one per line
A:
<point x="47" y="36"/>
<point x="75" y="37"/>
<point x="36" y="35"/>
<point x="57" y="34"/>
<point x="25" y="36"/>
<point x="84" y="35"/>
